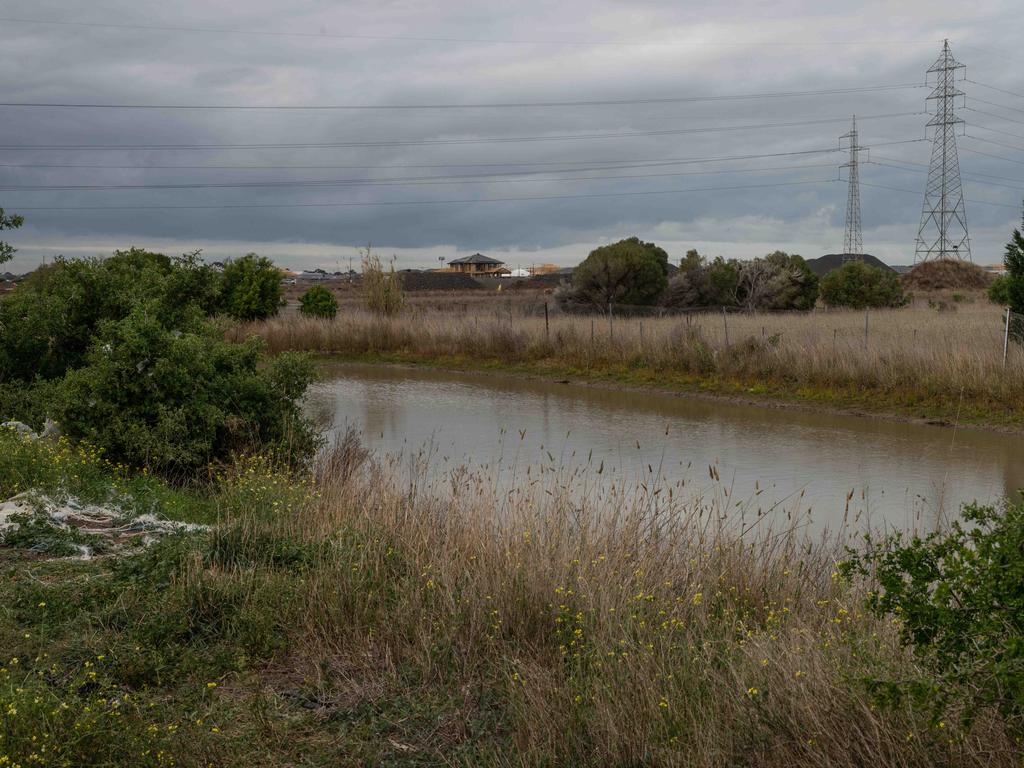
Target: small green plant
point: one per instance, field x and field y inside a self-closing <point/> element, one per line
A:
<point x="958" y="599"/>
<point x="382" y="289"/>
<point x="318" y="302"/>
<point x="252" y="288"/>
<point x="857" y="285"/>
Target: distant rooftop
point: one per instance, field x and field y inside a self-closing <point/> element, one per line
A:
<point x="476" y="258"/>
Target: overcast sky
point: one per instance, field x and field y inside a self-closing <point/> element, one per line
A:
<point x="381" y="53"/>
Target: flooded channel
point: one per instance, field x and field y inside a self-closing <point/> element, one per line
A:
<point x="842" y="468"/>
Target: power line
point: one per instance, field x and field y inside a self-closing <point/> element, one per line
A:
<point x="989" y="154"/>
<point x="918" y="192"/>
<point x="423" y="181"/>
<point x="995" y="143"/>
<point x="360" y="204"/>
<point x="996" y="130"/>
<point x="611" y="163"/>
<point x="446" y="142"/>
<point x="478" y="105"/>
<point x="920" y="170"/>
<point x="409" y="38"/>
<point x="993" y="88"/>
<point x="995" y="104"/>
<point x="998" y="117"/>
<point x="925" y="165"/>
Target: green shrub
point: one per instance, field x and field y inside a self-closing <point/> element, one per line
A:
<point x="627" y="272"/>
<point x="857" y="285"/>
<point x="318" y="302"/>
<point x="252" y="288"/>
<point x="958" y="598"/>
<point x="999" y="291"/>
<point x="777" y="281"/>
<point x="47" y="325"/>
<point x="175" y="400"/>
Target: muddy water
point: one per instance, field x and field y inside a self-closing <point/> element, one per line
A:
<point x="841" y="468"/>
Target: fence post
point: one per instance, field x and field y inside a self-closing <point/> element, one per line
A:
<point x="1006" y="336"/>
<point x="611" y="332"/>
<point x="725" y="324"/>
<point x="641" y="335"/>
<point x="547" y="328"/>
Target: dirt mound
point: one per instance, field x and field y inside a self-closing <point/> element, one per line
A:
<point x="822" y="265"/>
<point x="438" y="281"/>
<point x="946" y="274"/>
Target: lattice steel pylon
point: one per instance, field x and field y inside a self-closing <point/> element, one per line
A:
<point x="853" y="244"/>
<point x="943" y="231"/>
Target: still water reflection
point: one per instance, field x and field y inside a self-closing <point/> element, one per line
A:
<point x="870" y="471"/>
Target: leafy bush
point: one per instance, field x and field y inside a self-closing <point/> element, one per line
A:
<point x="121" y="353"/>
<point x="252" y="288"/>
<point x="47" y="325"/>
<point x="318" y="302"/>
<point x="999" y="291"/>
<point x="382" y="289"/>
<point x="176" y="400"/>
<point x="857" y="285"/>
<point x="627" y="272"/>
<point x="8" y="222"/>
<point x="777" y="281"/>
<point x="958" y="598"/>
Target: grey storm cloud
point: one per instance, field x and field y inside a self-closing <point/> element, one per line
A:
<point x="458" y="52"/>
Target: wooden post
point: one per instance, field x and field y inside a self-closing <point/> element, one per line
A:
<point x="1006" y="336"/>
<point x="610" y="329"/>
<point x="725" y="324"/>
<point x="547" y="328"/>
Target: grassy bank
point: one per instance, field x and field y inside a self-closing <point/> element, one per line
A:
<point x="367" y="615"/>
<point x="915" y="362"/>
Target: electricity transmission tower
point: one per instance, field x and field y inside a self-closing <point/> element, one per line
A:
<point x="943" y="231"/>
<point x="853" y="245"/>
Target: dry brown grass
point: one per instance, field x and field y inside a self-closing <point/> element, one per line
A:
<point x="947" y="355"/>
<point x="611" y="628"/>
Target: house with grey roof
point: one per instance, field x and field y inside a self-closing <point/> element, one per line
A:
<point x="478" y="264"/>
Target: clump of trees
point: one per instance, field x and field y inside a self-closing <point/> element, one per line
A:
<point x="318" y="302"/>
<point x="627" y="272"/>
<point x="382" y="288"/>
<point x="857" y="285"/>
<point x="252" y="288"/>
<point x="776" y="281"/>
<point x="123" y="352"/>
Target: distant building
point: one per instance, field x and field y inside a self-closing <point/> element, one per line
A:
<point x="995" y="269"/>
<point x="543" y="269"/>
<point x="478" y="264"/>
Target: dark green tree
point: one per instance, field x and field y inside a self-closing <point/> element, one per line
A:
<point x="857" y="285"/>
<point x="12" y="221"/>
<point x="627" y="272"/>
<point x="1012" y="285"/>
<point x="252" y="288"/>
<point x="318" y="302"/>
